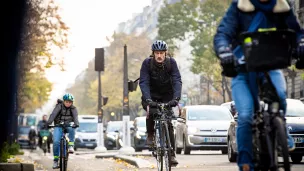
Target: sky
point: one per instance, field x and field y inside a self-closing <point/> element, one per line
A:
<point x="90" y="21"/>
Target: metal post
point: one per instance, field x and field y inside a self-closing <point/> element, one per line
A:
<point x="100" y="146"/>
<point x="223" y="89"/>
<point x="126" y="148"/>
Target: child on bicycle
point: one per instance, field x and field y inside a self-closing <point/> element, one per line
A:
<point x="239" y="18"/>
<point x="65" y="112"/>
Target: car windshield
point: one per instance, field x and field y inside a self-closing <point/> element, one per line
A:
<point x="295" y="109"/>
<point x="87" y="127"/>
<point x="24" y="130"/>
<point x="141" y="123"/>
<point x="208" y="114"/>
<point x="112" y="127"/>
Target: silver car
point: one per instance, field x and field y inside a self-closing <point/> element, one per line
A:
<point x="202" y="127"/>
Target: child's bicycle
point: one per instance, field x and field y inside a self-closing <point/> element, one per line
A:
<point x="64" y="153"/>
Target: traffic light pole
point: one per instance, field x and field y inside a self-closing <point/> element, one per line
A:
<point x="126" y="148"/>
<point x="100" y="145"/>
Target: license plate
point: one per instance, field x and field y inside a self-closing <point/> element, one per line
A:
<point x="298" y="139"/>
<point x="214" y="139"/>
<point x="89" y="145"/>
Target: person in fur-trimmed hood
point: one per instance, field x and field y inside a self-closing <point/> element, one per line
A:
<point x="274" y="14"/>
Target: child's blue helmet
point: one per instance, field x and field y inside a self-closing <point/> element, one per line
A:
<point x="68" y="97"/>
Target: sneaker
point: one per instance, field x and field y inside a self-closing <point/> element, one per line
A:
<point x="290" y="143"/>
<point x="71" y="149"/>
<point x="150" y="139"/>
<point x="174" y="161"/>
<point x="55" y="164"/>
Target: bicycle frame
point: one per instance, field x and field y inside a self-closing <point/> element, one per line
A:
<point x="162" y="146"/>
<point x="263" y="128"/>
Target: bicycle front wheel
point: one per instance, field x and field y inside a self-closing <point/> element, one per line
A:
<point x="158" y="149"/>
<point x="66" y="156"/>
<point x="280" y="143"/>
<point x="61" y="157"/>
<point x="166" y="147"/>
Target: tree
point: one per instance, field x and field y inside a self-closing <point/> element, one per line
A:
<point x="197" y="21"/>
<point x="43" y="30"/>
<point x="85" y="88"/>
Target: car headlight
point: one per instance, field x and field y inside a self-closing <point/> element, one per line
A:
<point x="139" y="134"/>
<point x="192" y="130"/>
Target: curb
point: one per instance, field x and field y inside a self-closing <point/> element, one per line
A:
<point x="16" y="167"/>
<point x="138" y="162"/>
<point x="101" y="156"/>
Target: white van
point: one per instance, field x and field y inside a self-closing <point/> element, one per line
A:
<point x="86" y="134"/>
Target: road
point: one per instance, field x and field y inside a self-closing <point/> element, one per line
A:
<point x="197" y="161"/>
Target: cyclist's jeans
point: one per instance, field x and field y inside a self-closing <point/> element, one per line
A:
<point x="57" y="137"/>
<point x="245" y="107"/>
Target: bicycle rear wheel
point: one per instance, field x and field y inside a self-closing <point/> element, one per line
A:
<point x="166" y="147"/>
<point x="280" y="143"/>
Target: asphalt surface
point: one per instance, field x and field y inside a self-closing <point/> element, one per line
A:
<point x="86" y="161"/>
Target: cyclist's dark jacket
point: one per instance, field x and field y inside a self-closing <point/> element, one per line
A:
<point x="158" y="83"/>
<point x="62" y="113"/>
<point x="240" y="14"/>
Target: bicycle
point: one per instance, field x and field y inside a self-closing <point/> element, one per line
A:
<point x="64" y="154"/>
<point x="44" y="134"/>
<point x="162" y="149"/>
<point x="269" y="127"/>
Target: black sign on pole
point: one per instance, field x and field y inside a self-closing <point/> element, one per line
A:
<point x="99" y="66"/>
<point x="125" y="84"/>
<point x="99" y="59"/>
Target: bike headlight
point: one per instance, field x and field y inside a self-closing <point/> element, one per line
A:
<point x="192" y="130"/>
<point x="45" y="138"/>
<point x="139" y="134"/>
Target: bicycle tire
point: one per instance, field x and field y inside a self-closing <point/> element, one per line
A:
<point x="281" y="140"/>
<point x="159" y="155"/>
<point x="66" y="157"/>
<point x="166" y="147"/>
<point x="61" y="157"/>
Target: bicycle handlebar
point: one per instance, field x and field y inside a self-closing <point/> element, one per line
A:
<point x="63" y="126"/>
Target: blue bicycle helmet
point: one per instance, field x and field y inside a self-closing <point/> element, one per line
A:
<point x="68" y="97"/>
<point x="159" y="45"/>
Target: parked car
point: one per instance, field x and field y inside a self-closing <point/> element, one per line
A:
<point x="86" y="134"/>
<point x="140" y="135"/>
<point x="202" y="127"/>
<point x="112" y="134"/>
<point x="295" y="124"/>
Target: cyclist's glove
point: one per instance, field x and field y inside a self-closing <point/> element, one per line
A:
<point x="173" y="103"/>
<point x="226" y="57"/>
<point x="300" y="52"/>
<point x="75" y="126"/>
<point x="151" y="103"/>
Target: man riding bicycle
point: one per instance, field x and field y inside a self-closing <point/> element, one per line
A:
<point x="64" y="112"/>
<point x="42" y="125"/>
<point x="275" y="14"/>
<point x="160" y="82"/>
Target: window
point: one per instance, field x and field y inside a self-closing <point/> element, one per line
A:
<point x="208" y="114"/>
<point x="87" y="127"/>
